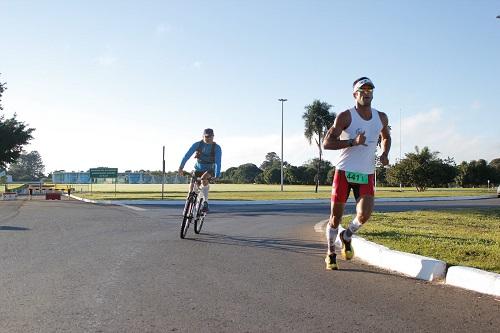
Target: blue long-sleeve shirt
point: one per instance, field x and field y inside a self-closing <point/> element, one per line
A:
<point x="203" y="163"/>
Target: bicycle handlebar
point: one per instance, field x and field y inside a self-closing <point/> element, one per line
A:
<point x="192" y="174"/>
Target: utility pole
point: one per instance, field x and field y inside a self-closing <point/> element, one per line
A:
<point x="400" y="138"/>
<point x="282" y="100"/>
<point x="163" y="174"/>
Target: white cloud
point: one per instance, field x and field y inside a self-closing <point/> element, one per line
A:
<point x="196" y="64"/>
<point x="437" y="130"/>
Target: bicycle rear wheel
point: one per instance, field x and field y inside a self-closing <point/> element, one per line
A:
<point x="200" y="217"/>
<point x="186" y="219"/>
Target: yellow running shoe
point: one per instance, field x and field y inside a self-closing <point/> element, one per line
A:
<point x="331" y="262"/>
<point x="347" y="250"/>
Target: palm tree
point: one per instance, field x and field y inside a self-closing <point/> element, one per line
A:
<point x="318" y="120"/>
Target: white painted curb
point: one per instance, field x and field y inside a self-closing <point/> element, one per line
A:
<point x="369" y="252"/>
<point x="420" y="267"/>
<point x="413" y="265"/>
<point x="416" y="266"/>
<point x="474" y="279"/>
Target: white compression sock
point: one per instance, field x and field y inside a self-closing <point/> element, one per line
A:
<point x="204" y="190"/>
<point x="331" y="236"/>
<point x="351" y="229"/>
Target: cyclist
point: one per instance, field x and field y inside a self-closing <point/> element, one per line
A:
<point x="208" y="155"/>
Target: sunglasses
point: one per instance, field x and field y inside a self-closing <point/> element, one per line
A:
<point x="366" y="91"/>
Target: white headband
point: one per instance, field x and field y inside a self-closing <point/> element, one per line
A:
<point x="361" y="83"/>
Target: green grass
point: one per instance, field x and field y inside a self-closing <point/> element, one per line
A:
<point x="248" y="192"/>
<point x="10" y="187"/>
<point x="465" y="237"/>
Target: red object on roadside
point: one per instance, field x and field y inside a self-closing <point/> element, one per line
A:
<point x="53" y="196"/>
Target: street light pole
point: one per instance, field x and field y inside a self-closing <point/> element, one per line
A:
<point x="282" y="100"/>
<point x="163" y="175"/>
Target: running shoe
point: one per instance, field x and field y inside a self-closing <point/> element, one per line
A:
<point x="205" y="207"/>
<point x="331" y="262"/>
<point x="347" y="250"/>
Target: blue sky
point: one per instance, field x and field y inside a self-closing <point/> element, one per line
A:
<point x="108" y="83"/>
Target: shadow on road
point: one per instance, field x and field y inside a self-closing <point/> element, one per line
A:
<point x="9" y="228"/>
<point x="309" y="248"/>
<point x="274" y="243"/>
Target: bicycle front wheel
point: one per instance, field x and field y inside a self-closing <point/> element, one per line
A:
<point x="186" y="219"/>
<point x="200" y="217"/>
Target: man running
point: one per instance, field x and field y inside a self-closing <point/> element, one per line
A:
<point x="208" y="155"/>
<point x="355" y="132"/>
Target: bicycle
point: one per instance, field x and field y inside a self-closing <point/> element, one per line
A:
<point x="193" y="208"/>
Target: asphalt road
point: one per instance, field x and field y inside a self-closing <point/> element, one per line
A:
<point x="68" y="266"/>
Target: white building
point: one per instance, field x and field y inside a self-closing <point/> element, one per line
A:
<point x="63" y="177"/>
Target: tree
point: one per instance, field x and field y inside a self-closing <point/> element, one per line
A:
<point x="421" y="169"/>
<point x="293" y="175"/>
<point x="475" y="173"/>
<point x="27" y="167"/>
<point x="325" y="168"/>
<point x="246" y="173"/>
<point x="272" y="175"/>
<point x="13" y="136"/>
<point x="227" y="176"/>
<point x="3" y="181"/>
<point x="495" y="163"/>
<point x="318" y="120"/>
<point x="272" y="159"/>
<point x="2" y="89"/>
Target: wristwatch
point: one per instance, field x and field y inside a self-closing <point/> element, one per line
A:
<point x="351" y="142"/>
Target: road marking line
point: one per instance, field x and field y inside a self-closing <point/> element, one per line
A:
<point x="320" y="226"/>
<point x="131" y="207"/>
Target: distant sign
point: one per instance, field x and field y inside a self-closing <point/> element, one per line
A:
<point x="104" y="173"/>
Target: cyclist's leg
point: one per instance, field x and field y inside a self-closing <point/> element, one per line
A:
<point x="205" y="178"/>
<point x="205" y="187"/>
<point x="196" y="174"/>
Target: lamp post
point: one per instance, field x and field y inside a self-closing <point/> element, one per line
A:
<point x="282" y="100"/>
<point x="163" y="175"/>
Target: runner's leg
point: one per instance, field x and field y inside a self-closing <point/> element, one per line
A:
<point x="337" y="210"/>
<point x="364" y="209"/>
<point x="365" y="197"/>
<point x="340" y="192"/>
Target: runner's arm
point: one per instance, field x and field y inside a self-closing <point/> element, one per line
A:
<point x="385" y="143"/>
<point x="332" y="138"/>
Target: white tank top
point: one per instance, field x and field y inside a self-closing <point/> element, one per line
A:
<point x="360" y="158"/>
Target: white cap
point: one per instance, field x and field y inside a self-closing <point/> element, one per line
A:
<point x="361" y="83"/>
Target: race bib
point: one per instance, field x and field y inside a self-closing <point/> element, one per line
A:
<point x="356" y="177"/>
